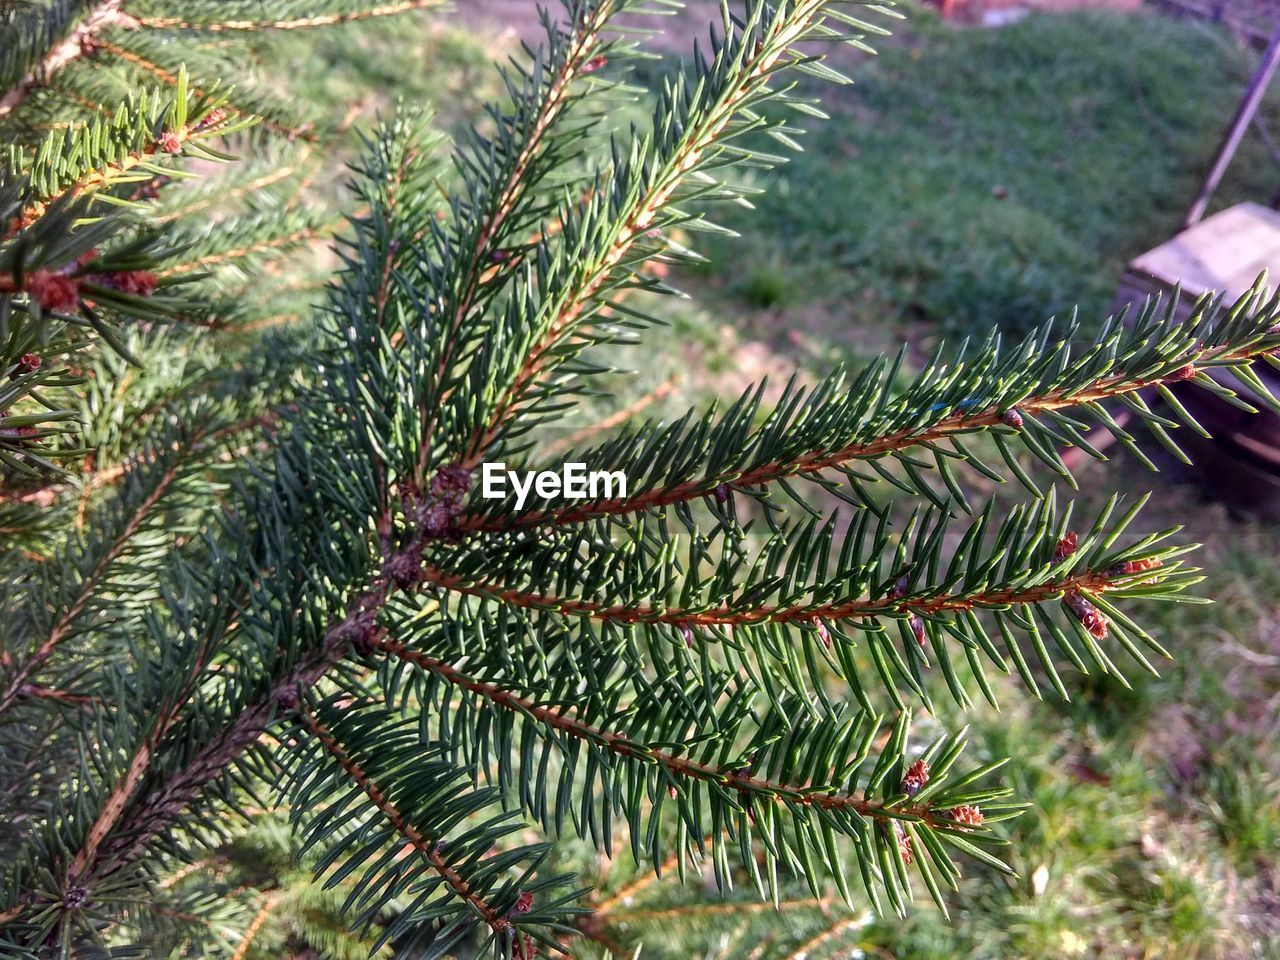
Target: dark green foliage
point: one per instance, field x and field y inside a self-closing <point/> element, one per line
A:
<point x="444" y="691"/>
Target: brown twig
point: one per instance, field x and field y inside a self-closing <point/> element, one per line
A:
<point x="428" y="848"/>
<point x="955" y="424"/>
<point x="624" y="746"/>
<point x="693" y="149"/>
<point x="1092" y="582"/>
<point x="99" y="16"/>
<point x="299" y="23"/>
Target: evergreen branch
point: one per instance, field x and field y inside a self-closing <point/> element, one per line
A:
<point x="1088" y="581"/>
<point x="249" y="188"/>
<point x="292" y="131"/>
<point x="283" y="241"/>
<point x="729" y="778"/>
<point x="825" y="936"/>
<point x="720" y="909"/>
<point x="269" y="904"/>
<point x="170" y="798"/>
<point x="500" y="925"/>
<point x="94" y="157"/>
<point x="618" y="417"/>
<point x="291" y="23"/>
<point x="686" y="139"/>
<point x="159" y="485"/>
<point x="523" y="142"/>
<point x="1018" y="392"/>
<point x="96" y="17"/>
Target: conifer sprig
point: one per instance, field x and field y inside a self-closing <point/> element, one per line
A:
<point x="1040" y="395"/>
<point x="345" y="628"/>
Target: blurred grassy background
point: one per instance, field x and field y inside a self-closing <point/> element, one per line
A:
<point x="973" y="178"/>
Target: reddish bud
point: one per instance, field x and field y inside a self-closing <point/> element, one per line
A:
<point x="139" y="283"/>
<point x="904" y="843"/>
<point x="722" y="493"/>
<point x="75" y="897"/>
<point x="54" y="291"/>
<point x="1087" y="614"/>
<point x="287" y="697"/>
<point x="917" y="628"/>
<point x="29" y="362"/>
<point x="916" y="777"/>
<point x="823" y="633"/>
<point x="686" y="632"/>
<point x="212" y="118"/>
<point x="969" y="815"/>
<point x="594" y="64"/>
<point x="523" y="904"/>
<point x="1011" y="418"/>
<point x="438" y="520"/>
<point x="1132" y="566"/>
<point x="1185" y="372"/>
<point x="1066" y="546"/>
<point x="168" y="142"/>
<point x="403" y="568"/>
<point x="899" y="588"/>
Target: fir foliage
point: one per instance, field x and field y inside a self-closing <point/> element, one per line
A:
<point x="293" y="598"/>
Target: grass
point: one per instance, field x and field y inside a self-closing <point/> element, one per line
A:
<point x="980" y="177"/>
<point x="973" y="178"/>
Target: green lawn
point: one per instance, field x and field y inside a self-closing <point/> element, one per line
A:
<point x="973" y="177"/>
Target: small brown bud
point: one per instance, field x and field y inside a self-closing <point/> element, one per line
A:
<point x="1185" y="372"/>
<point x="1011" y="418"/>
<point x="139" y="283"/>
<point x="1066" y="546"/>
<point x="899" y="588"/>
<point x="523" y="904"/>
<point x="403" y="568"/>
<point x="438" y="520"/>
<point x="970" y="816"/>
<point x="916" y="777"/>
<point x="904" y="843"/>
<point x="54" y="291"/>
<point x="1131" y="567"/>
<point x="917" y="628"/>
<point x="1087" y="614"/>
<point x="75" y="897"/>
<point x="168" y="142"/>
<point x="212" y="118"/>
<point x="823" y="633"/>
<point x="451" y="483"/>
<point x="287" y="698"/>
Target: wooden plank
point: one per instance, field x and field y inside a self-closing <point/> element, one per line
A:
<point x="1225" y="253"/>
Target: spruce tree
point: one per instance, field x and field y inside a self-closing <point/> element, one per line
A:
<point x="255" y="573"/>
